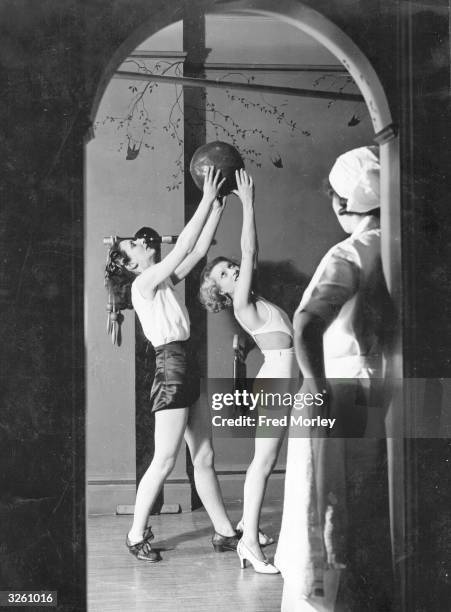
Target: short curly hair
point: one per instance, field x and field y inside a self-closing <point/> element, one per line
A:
<point x="209" y="295"/>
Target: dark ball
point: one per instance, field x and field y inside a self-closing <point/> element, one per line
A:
<point x="222" y="156"/>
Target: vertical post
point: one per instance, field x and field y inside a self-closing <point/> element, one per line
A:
<point x="194" y="137"/>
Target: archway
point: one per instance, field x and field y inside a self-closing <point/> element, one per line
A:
<point x="364" y="75"/>
<point x="356" y="63"/>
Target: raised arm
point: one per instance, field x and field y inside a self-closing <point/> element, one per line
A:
<point x="203" y="243"/>
<point x="187" y="239"/>
<point x="249" y="247"/>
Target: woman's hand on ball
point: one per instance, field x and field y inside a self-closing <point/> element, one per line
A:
<point x="245" y="187"/>
<point x="212" y="183"/>
<point x="219" y="203"/>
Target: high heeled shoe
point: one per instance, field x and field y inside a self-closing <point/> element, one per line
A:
<point x="263" y="538"/>
<point x="222" y="543"/>
<point x="261" y="567"/>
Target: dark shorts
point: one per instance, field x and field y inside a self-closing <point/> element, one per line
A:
<point x="176" y="381"/>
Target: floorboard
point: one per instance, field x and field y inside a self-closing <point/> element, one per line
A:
<point x="191" y="577"/>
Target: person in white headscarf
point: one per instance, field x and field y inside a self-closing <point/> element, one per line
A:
<point x="333" y="476"/>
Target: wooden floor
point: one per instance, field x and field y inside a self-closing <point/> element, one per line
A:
<point x="191" y="576"/>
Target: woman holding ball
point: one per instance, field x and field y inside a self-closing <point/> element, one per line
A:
<point x="225" y="284"/>
<point x="166" y="325"/>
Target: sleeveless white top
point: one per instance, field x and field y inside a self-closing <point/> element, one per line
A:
<point x="164" y="318"/>
<point x="277" y="321"/>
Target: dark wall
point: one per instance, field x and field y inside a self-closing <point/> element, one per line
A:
<point x="43" y="123"/>
<point x="52" y="55"/>
<point x="425" y="158"/>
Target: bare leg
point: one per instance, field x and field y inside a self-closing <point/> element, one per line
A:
<point x="265" y="456"/>
<point x="198" y="438"/>
<point x="169" y="428"/>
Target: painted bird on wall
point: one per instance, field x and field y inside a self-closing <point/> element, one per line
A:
<point x="133" y="149"/>
<point x="277" y="160"/>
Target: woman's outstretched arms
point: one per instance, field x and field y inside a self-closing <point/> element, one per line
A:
<point x="203" y="243"/>
<point x="187" y="239"/>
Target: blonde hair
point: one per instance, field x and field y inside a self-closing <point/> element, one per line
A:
<point x="209" y="294"/>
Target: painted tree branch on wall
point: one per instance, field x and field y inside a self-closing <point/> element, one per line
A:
<point x="229" y="116"/>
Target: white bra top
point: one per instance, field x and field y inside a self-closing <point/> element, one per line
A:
<point x="277" y="321"/>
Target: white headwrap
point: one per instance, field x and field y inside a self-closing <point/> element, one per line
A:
<point x="355" y="177"/>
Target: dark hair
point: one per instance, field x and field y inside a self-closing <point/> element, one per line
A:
<point x="152" y="239"/>
<point x="209" y="295"/>
<point x="118" y="279"/>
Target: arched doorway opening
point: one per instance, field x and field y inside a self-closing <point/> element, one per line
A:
<point x="363" y="74"/>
